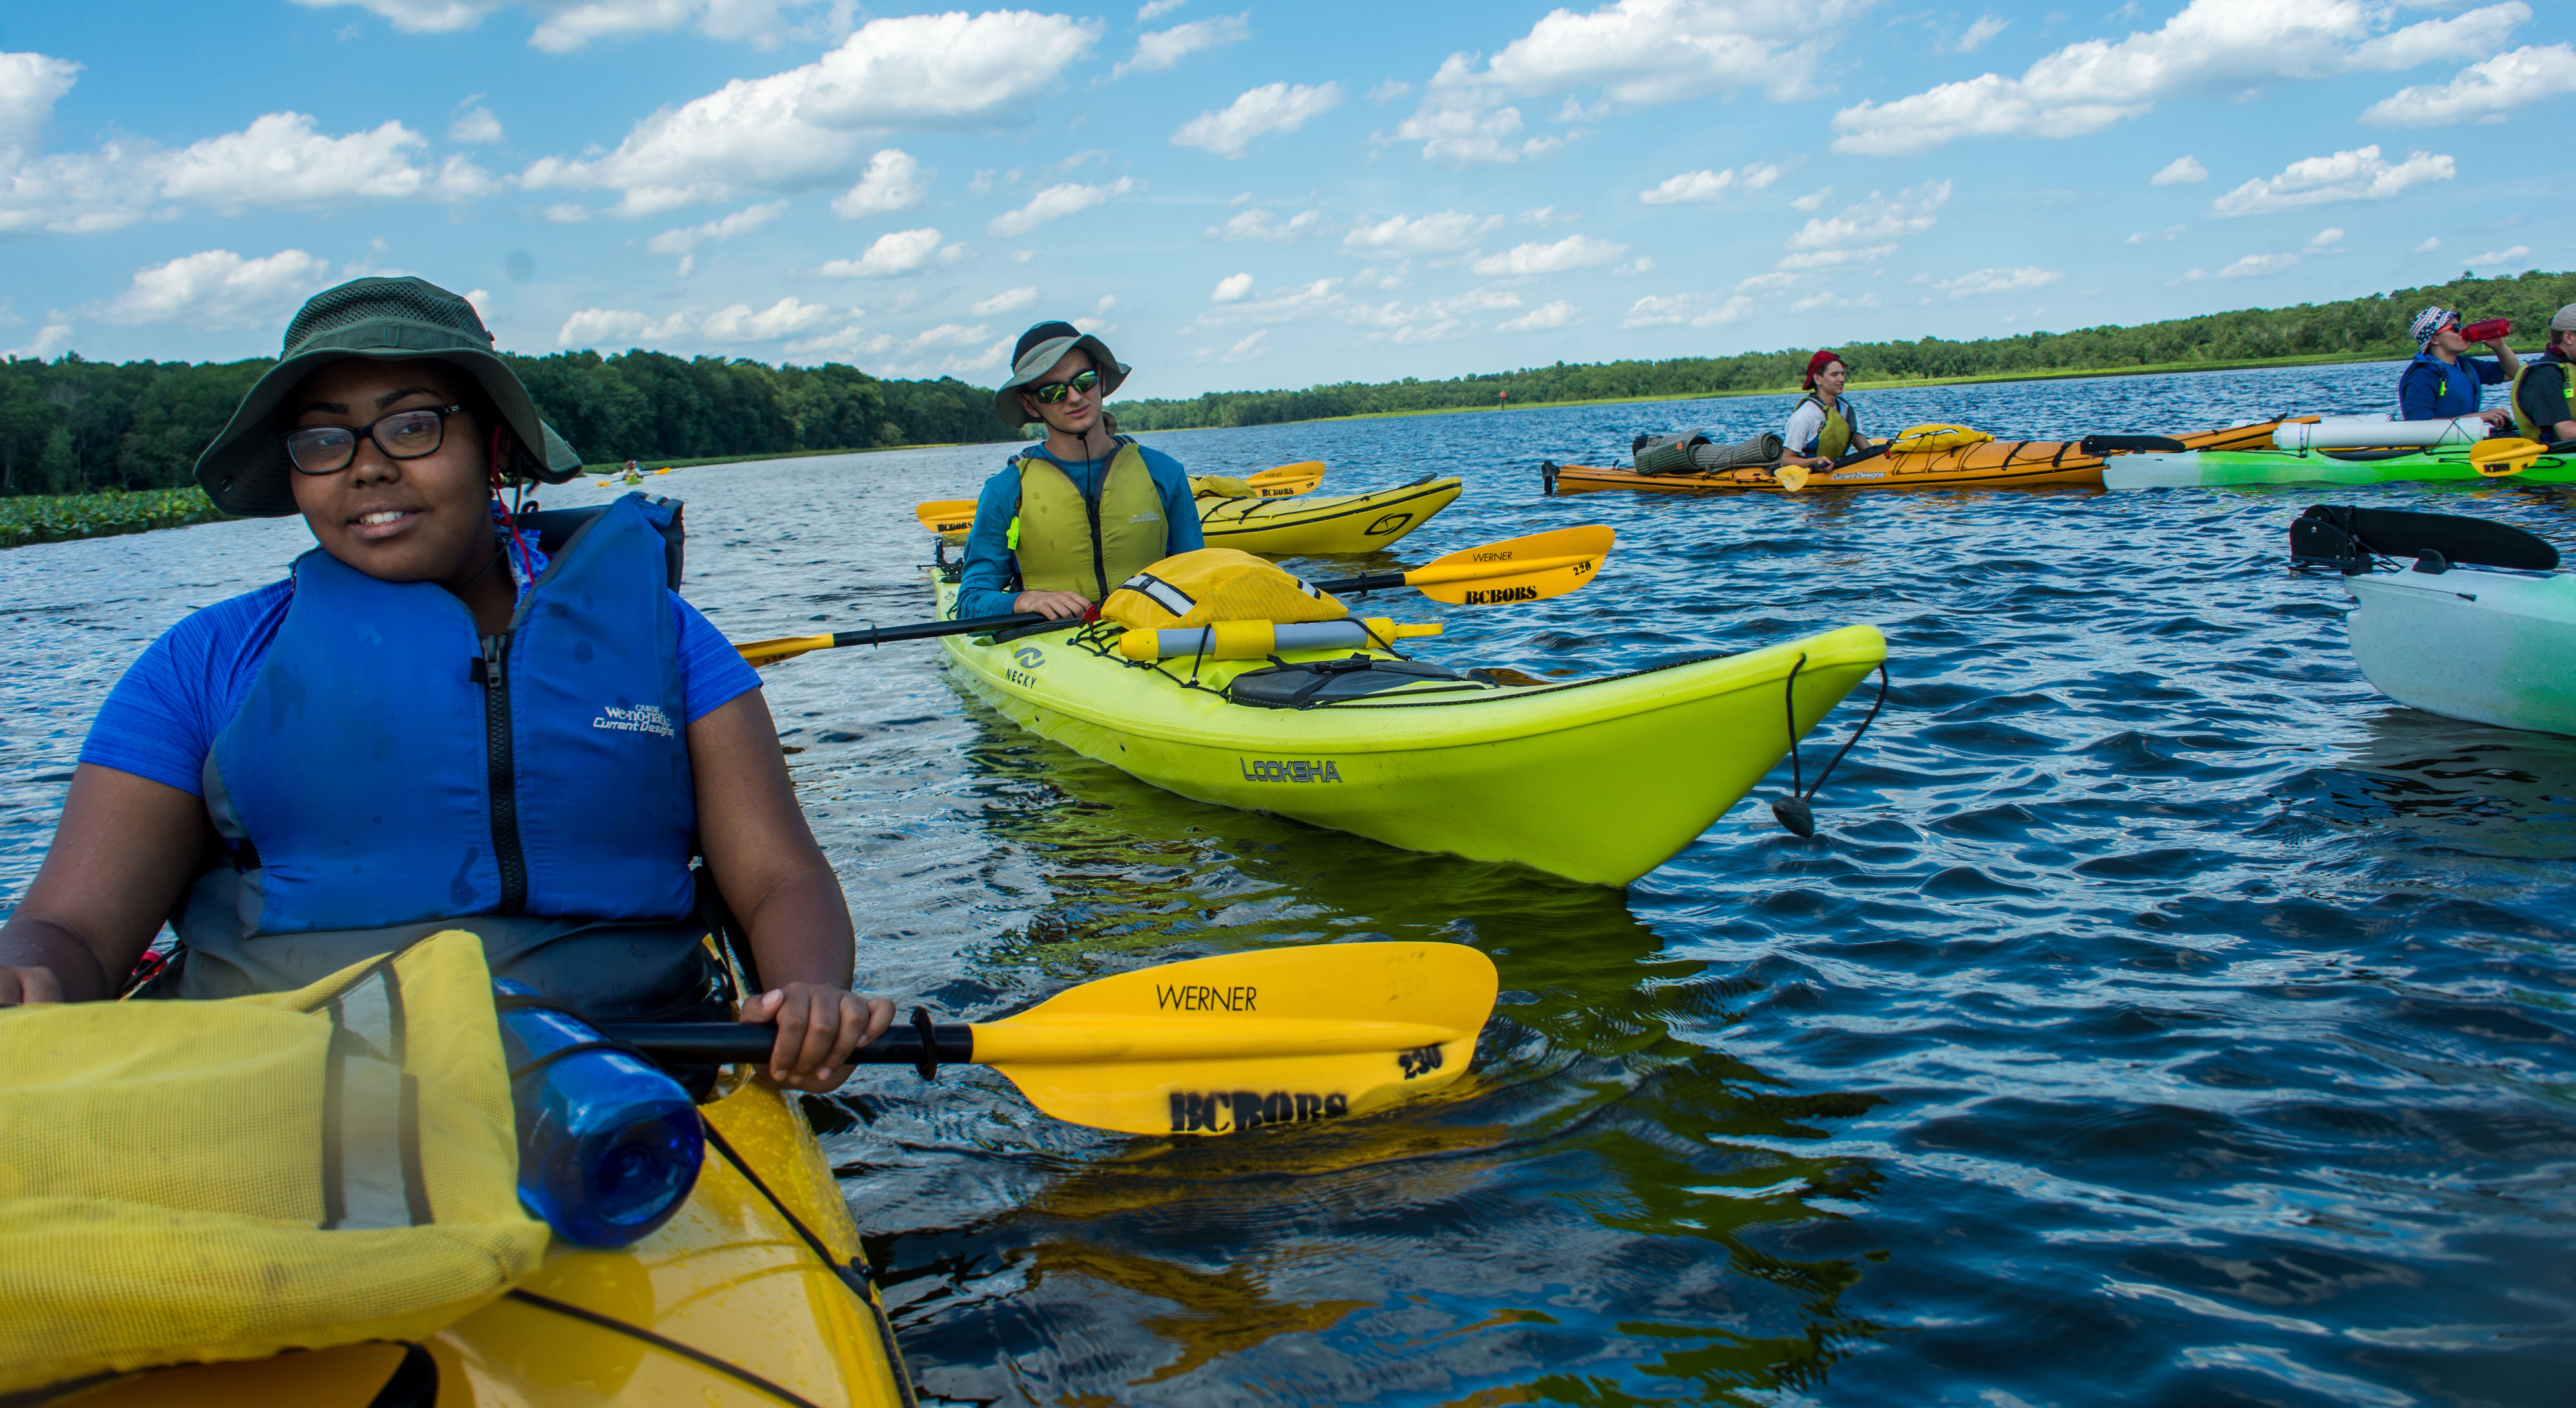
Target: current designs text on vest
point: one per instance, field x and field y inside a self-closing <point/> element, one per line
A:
<point x="643" y="718"/>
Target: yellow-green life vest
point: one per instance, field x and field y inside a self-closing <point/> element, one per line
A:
<point x="2524" y="425"/>
<point x="1067" y="543"/>
<point x="1836" y="434"/>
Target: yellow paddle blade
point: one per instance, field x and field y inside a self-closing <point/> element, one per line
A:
<point x="1534" y="568"/>
<point x="2510" y="455"/>
<point x="949" y="518"/>
<point x="1228" y="1044"/>
<point x="1287" y="479"/>
<point x="769" y="652"/>
<point x="1792" y="477"/>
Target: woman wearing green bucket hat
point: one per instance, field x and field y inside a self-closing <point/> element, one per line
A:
<point x="431" y="724"/>
<point x="1084" y="509"/>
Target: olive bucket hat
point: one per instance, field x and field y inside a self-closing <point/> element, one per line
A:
<point x="1042" y="347"/>
<point x="245" y="470"/>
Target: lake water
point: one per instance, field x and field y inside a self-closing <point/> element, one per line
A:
<point x="2160" y="1015"/>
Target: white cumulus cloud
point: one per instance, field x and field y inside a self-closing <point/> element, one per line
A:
<point x="474" y="123"/>
<point x="1009" y="300"/>
<point x="1233" y="288"/>
<point x="1165" y="48"/>
<point x="2181" y="171"/>
<point x="566" y="25"/>
<point x="1557" y="314"/>
<point x="219" y="289"/>
<point x="1693" y="186"/>
<point x="2210" y="47"/>
<point x="792" y="130"/>
<point x="900" y="252"/>
<point x="1445" y="232"/>
<point x="2256" y="265"/>
<point x="684" y="241"/>
<point x="2327" y="241"/>
<point x="2360" y="174"/>
<point x="1259" y="224"/>
<point x="1989" y="281"/>
<point x="1273" y="107"/>
<point x="893" y="182"/>
<point x="1055" y="203"/>
<point x="2518" y="254"/>
<point x="1910" y="211"/>
<point x="1572" y="252"/>
<point x="785" y="318"/>
<point x="2482" y="92"/>
<point x="1673" y="310"/>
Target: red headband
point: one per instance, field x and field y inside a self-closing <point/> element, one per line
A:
<point x="1818" y="363"/>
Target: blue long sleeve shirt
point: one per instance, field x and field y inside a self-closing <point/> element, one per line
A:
<point x="986" y="587"/>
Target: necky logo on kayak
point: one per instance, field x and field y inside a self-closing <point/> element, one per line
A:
<point x="643" y="718"/>
<point x="1199" y="997"/>
<point x="1239" y="1111"/>
<point x="1029" y="656"/>
<point x="1289" y="770"/>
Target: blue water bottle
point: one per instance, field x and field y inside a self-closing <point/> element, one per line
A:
<point x="609" y="1146"/>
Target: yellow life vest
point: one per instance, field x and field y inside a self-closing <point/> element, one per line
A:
<point x="191" y="1182"/>
<point x="1067" y="543"/>
<point x="1836" y="435"/>
<point x="2528" y="428"/>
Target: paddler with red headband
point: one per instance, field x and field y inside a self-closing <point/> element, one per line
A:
<point x="1825" y="427"/>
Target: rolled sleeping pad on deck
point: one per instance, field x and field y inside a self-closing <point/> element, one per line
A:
<point x="1695" y="451"/>
<point x="2373" y="432"/>
<point x="1257" y="640"/>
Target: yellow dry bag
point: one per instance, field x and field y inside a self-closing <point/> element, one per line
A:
<point x="1217" y="584"/>
<point x="1917" y="439"/>
<point x="186" y="1182"/>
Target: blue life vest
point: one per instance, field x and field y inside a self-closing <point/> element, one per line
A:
<point x="388" y="767"/>
<point x="2458" y="394"/>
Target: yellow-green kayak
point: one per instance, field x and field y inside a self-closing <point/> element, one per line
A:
<point x="1595" y="780"/>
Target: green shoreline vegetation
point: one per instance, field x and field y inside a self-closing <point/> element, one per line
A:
<point x="92" y="448"/>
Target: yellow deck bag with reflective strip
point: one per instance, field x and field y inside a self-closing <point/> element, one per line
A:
<point x="198" y="1181"/>
<point x="1217" y="584"/>
<point x="1916" y="439"/>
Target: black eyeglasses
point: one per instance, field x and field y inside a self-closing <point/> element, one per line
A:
<point x="403" y="435"/>
<point x="1051" y="392"/>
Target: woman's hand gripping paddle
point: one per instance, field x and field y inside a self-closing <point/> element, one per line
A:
<point x="1534" y="568"/>
<point x="1217" y="1045"/>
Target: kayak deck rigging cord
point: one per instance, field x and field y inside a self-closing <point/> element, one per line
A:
<point x="1793" y="812"/>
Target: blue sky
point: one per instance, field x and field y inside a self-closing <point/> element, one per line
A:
<point x="1249" y="194"/>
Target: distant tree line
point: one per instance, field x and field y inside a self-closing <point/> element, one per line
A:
<point x="71" y="426"/>
<point x="2359" y="327"/>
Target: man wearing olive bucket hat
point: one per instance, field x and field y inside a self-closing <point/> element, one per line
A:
<point x="430" y="725"/>
<point x="1084" y="509"/>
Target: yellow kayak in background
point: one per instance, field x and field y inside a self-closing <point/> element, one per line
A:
<point x="1314" y="525"/>
<point x="755" y="1295"/>
<point x="1595" y="780"/>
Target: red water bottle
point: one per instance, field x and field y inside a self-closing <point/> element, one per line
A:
<point x="2488" y="330"/>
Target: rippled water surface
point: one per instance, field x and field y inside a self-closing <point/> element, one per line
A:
<point x="2160" y="1016"/>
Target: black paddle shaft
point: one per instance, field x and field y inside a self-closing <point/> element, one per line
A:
<point x="923" y="1044"/>
<point x="927" y="630"/>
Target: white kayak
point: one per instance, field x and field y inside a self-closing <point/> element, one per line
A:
<point x="2484" y="644"/>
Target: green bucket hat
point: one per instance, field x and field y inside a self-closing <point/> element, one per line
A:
<point x="1042" y="347"/>
<point x="245" y="470"/>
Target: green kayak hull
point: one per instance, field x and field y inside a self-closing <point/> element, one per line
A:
<point x="2211" y="469"/>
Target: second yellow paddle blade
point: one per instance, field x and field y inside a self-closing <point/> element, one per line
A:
<point x="1288" y="479"/>
<point x="1534" y="568"/>
<point x="1229" y="1044"/>
<point x="2497" y="458"/>
<point x="949" y="518"/>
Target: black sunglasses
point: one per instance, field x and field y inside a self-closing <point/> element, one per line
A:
<point x="1049" y="393"/>
<point x="403" y="435"/>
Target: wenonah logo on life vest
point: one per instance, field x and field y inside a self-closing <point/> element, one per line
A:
<point x="643" y="718"/>
<point x="1288" y="770"/>
<point x="1236" y="1111"/>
